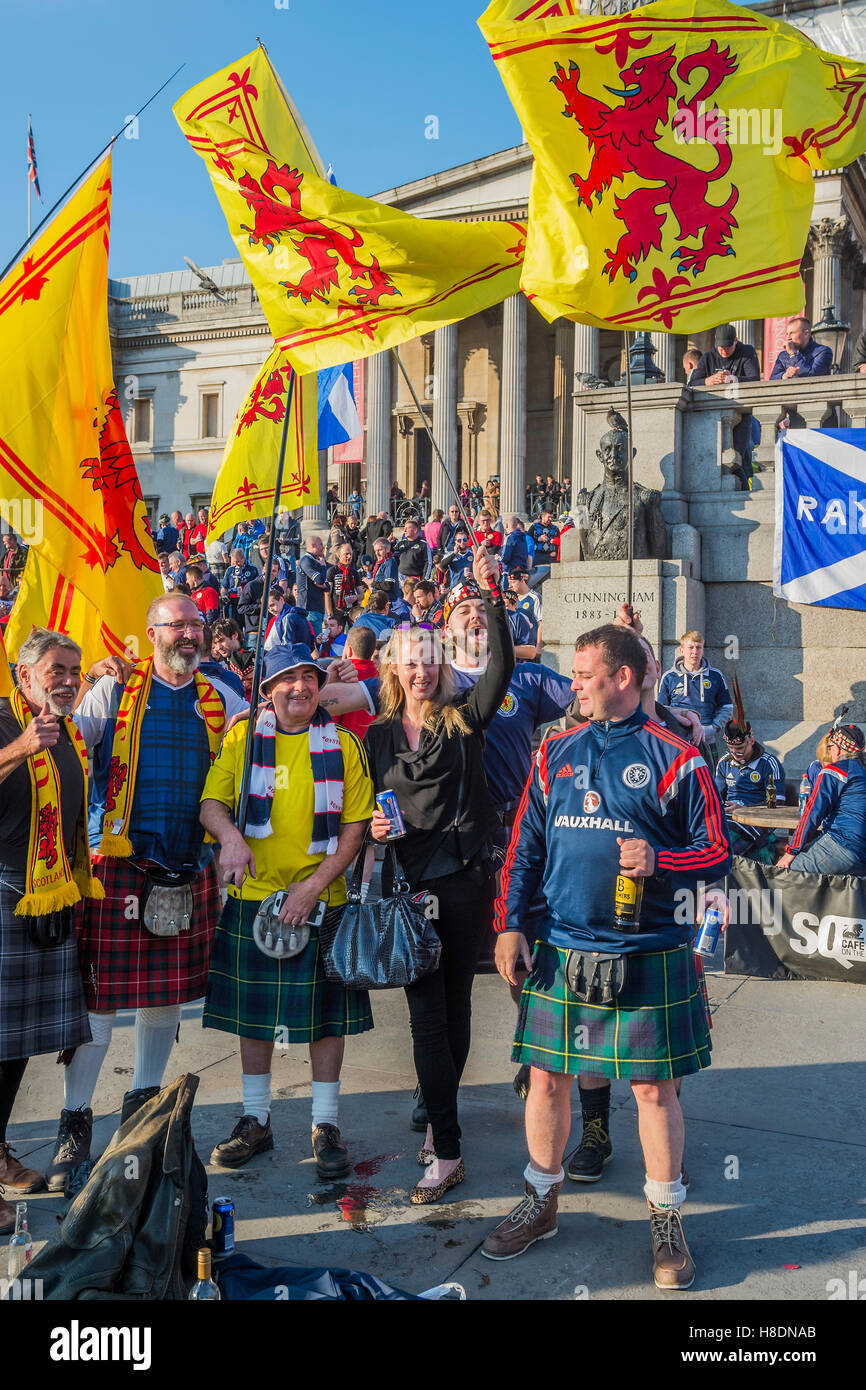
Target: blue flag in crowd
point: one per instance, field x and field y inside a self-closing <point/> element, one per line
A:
<point x="338" y="415"/>
<point x="820" y="542"/>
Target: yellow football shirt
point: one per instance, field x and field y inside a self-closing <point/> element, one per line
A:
<point x="282" y="858"/>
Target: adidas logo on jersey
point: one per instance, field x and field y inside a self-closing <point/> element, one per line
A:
<point x="564" y="772"/>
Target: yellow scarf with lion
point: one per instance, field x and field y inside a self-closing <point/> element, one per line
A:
<point x="51" y="883"/>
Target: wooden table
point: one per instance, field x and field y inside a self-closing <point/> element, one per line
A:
<point x="767" y="817"/>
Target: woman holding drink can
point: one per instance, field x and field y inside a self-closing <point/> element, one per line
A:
<point x="426" y="748"/>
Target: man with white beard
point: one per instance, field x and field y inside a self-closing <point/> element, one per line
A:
<point x="146" y="945"/>
<point x="43" y="872"/>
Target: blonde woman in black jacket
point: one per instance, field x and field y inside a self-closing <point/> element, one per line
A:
<point x="427" y="747"/>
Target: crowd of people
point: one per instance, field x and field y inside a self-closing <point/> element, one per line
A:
<point x="411" y="665"/>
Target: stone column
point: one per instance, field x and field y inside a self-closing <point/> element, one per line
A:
<point x="349" y="477"/>
<point x="444" y="414"/>
<point x="563" y="373"/>
<point x="745" y="331"/>
<point x="827" y="241"/>
<point x="586" y="359"/>
<point x="318" y="512"/>
<point x="378" y="398"/>
<point x="512" y="420"/>
<point x="666" y="357"/>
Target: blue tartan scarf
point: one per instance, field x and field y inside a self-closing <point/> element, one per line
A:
<point x="326" y="758"/>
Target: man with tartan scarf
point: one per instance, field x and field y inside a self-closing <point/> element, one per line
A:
<point x="153" y="732"/>
<point x="618" y="796"/>
<point x="310" y="802"/>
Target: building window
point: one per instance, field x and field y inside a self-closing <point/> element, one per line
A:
<point x="142" y="420"/>
<point x="210" y="409"/>
<point x="152" y="505"/>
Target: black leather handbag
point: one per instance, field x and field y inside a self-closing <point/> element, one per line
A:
<point x="385" y="944"/>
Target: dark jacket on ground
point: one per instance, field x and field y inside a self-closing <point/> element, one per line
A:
<point x="133" y="1231"/>
<point x="441" y="788"/>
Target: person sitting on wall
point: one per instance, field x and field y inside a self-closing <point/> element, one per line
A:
<point x="801" y="355"/>
<point x="831" y="835"/>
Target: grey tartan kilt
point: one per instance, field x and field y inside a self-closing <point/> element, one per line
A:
<point x="42" y="1007"/>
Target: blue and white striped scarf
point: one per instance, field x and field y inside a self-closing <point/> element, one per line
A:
<point x="326" y="758"/>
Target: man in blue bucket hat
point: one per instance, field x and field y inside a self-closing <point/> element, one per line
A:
<point x="310" y="802"/>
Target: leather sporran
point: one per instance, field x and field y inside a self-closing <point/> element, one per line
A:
<point x="593" y="977"/>
<point x="166" y="901"/>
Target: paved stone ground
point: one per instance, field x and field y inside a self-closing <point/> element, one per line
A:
<point x="782" y="1105"/>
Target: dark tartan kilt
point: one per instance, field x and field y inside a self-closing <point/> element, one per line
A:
<point x="42" y="1005"/>
<point x="123" y="965"/>
<point x="655" y="1030"/>
<point x="289" y="1001"/>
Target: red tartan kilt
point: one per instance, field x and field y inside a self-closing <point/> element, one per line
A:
<point x="123" y="965"/>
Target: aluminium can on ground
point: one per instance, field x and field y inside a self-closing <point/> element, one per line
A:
<point x="223" y="1226"/>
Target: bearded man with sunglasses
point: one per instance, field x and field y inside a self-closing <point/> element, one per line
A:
<point x="153" y="732"/>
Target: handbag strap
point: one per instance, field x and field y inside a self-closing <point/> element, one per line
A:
<point x="353" y="889"/>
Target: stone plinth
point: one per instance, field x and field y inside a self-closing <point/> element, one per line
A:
<point x="582" y="594"/>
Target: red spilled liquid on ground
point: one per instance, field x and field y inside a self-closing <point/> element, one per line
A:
<point x="354" y="1204"/>
<point x="370" y="1166"/>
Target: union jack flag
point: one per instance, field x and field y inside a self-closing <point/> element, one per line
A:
<point x="31" y="160"/>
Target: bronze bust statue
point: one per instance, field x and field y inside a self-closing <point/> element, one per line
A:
<point x="601" y="516"/>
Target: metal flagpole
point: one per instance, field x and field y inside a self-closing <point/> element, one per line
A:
<point x="20" y="252"/>
<point x="263" y="616"/>
<point x="630" y="551"/>
<point x="29" y="180"/>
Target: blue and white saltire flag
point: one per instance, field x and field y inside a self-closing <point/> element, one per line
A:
<point x="338" y="415"/>
<point x="820" y="542"/>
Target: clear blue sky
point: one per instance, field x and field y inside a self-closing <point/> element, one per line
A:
<point x="364" y="77"/>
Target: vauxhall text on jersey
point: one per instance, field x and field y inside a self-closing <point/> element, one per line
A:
<point x="628" y="778"/>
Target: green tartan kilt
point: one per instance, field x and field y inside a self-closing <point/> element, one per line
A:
<point x="655" y="1029"/>
<point x="289" y="1001"/>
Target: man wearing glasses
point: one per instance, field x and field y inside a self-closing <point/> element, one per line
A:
<point x="153" y="732"/>
<point x="742" y="776"/>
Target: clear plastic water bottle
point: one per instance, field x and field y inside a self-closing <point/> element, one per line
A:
<point x="21" y="1244"/>
<point x="805" y="790"/>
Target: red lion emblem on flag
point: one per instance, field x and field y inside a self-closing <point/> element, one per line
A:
<point x="267" y="402"/>
<point x="325" y="249"/>
<point x="114" y="475"/>
<point x="624" y="140"/>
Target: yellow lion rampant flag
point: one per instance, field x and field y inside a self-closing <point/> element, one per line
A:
<point x="339" y="276"/>
<point x="245" y="483"/>
<point x="65" y="463"/>
<point x="674" y="148"/>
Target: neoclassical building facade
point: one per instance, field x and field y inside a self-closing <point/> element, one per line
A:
<point x="502" y="390"/>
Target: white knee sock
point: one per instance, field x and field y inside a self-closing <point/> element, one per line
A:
<point x="325" y="1102"/>
<point x="665" y="1194"/>
<point x="542" y="1182"/>
<point x="257" y="1095"/>
<point x="155" y="1031"/>
<point x="80" y="1077"/>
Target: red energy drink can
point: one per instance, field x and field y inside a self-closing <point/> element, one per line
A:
<point x="390" y="807"/>
<point x="223" y="1226"/>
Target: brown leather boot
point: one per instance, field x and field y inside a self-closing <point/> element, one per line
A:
<point x="7" y="1216"/>
<point x="14" y="1177"/>
<point x="534" y="1219"/>
<point x="673" y="1266"/>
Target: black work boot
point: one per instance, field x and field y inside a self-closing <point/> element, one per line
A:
<point x="587" y="1162"/>
<point x="74" y="1134"/>
<point x="134" y="1100"/>
<point x="419" y="1120"/>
